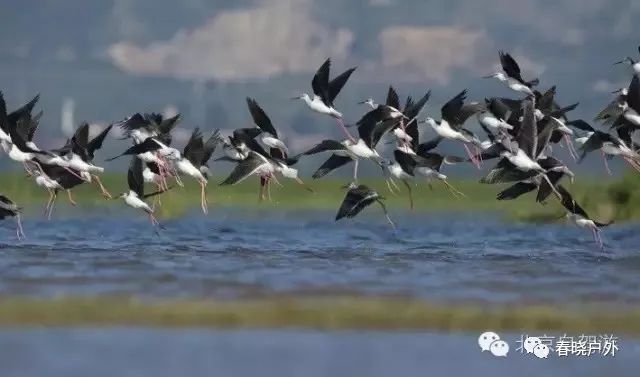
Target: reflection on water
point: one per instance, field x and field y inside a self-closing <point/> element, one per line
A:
<point x="230" y="254"/>
<point x="151" y="352"/>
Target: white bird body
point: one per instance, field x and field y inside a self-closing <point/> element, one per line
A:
<point x="513" y="84"/>
<point x="286" y="171"/>
<point x="273" y="142"/>
<point x="132" y="200"/>
<point x="581" y="140"/>
<point x="150" y="157"/>
<point x="581" y="221"/>
<point x="318" y="106"/>
<point x="632" y="116"/>
<point x="444" y="130"/>
<point x="360" y="149"/>
<point x="522" y="161"/>
<point x="619" y="150"/>
<point x="401" y="135"/>
<point x="48" y="183"/>
<point x="185" y="166"/>
<point x="149" y="176"/>
<point x="4" y="137"/>
<point x="141" y="134"/>
<point x="561" y="126"/>
<point x="18" y="155"/>
<point x="76" y="163"/>
<point x="397" y="172"/>
<point x="429" y="173"/>
<point x="487" y="119"/>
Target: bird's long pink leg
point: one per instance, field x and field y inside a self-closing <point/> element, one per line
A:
<point x="19" y="230"/>
<point x="74" y="173"/>
<point x="263" y="182"/>
<point x="606" y="164"/>
<point x="53" y="203"/>
<point x="471" y="156"/>
<point x="570" y="148"/>
<point x="632" y="163"/>
<point x="346" y="132"/>
<point x="105" y="193"/>
<point x="203" y="198"/>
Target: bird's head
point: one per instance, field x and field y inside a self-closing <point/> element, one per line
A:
<point x="368" y="101"/>
<point x="302" y="97"/>
<point x="430" y="121"/>
<point x="172" y="154"/>
<point x="498" y="75"/>
<point x="621" y="91"/>
<point x="628" y="60"/>
<point x="350" y="186"/>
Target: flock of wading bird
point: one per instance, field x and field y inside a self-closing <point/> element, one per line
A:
<point x="520" y="134"/>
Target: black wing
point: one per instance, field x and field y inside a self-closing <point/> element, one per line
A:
<point x="355" y="201"/>
<point x="331" y="164"/>
<point x="96" y="143"/>
<point x="81" y="136"/>
<point x="569" y="203"/>
<point x="406" y="161"/>
<point x="412" y="110"/>
<point x="245" y="168"/>
<point x="320" y="82"/>
<point x="392" y="98"/>
<point x="428" y="145"/>
<point x="134" y="122"/>
<point x="326" y="146"/>
<point x="24" y="111"/>
<point x="510" y="66"/>
<point x="194" y="150"/>
<point x="516" y="190"/>
<point x="633" y="96"/>
<point x="134" y="177"/>
<point x="528" y="133"/>
<point x="210" y="146"/>
<point x="166" y="125"/>
<point x="149" y="145"/>
<point x="451" y="110"/>
<point x="4" y="122"/>
<point x="260" y="118"/>
<point x="335" y="86"/>
<point x="581" y="125"/>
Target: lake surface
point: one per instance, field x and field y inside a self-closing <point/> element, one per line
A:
<point x="455" y="257"/>
<point x="133" y="352"/>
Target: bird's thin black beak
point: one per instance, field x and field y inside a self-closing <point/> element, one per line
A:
<point x="362" y="102"/>
<point x="617" y="91"/>
<point x="295" y="98"/>
<point x="620" y="62"/>
<point x="487" y="77"/>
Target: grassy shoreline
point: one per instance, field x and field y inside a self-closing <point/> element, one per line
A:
<point x="326" y="313"/>
<point x="605" y="200"/>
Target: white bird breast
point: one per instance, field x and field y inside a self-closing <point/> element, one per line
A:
<point x="272" y="142"/>
<point x="186" y="167"/>
<point x="133" y="201"/>
<point x="288" y="172"/>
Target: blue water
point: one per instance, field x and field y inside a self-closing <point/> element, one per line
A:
<point x="237" y="254"/>
<point x="125" y="352"/>
<point x="232" y="254"/>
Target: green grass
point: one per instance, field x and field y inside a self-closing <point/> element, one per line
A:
<point x="329" y="313"/>
<point x="605" y="200"/>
